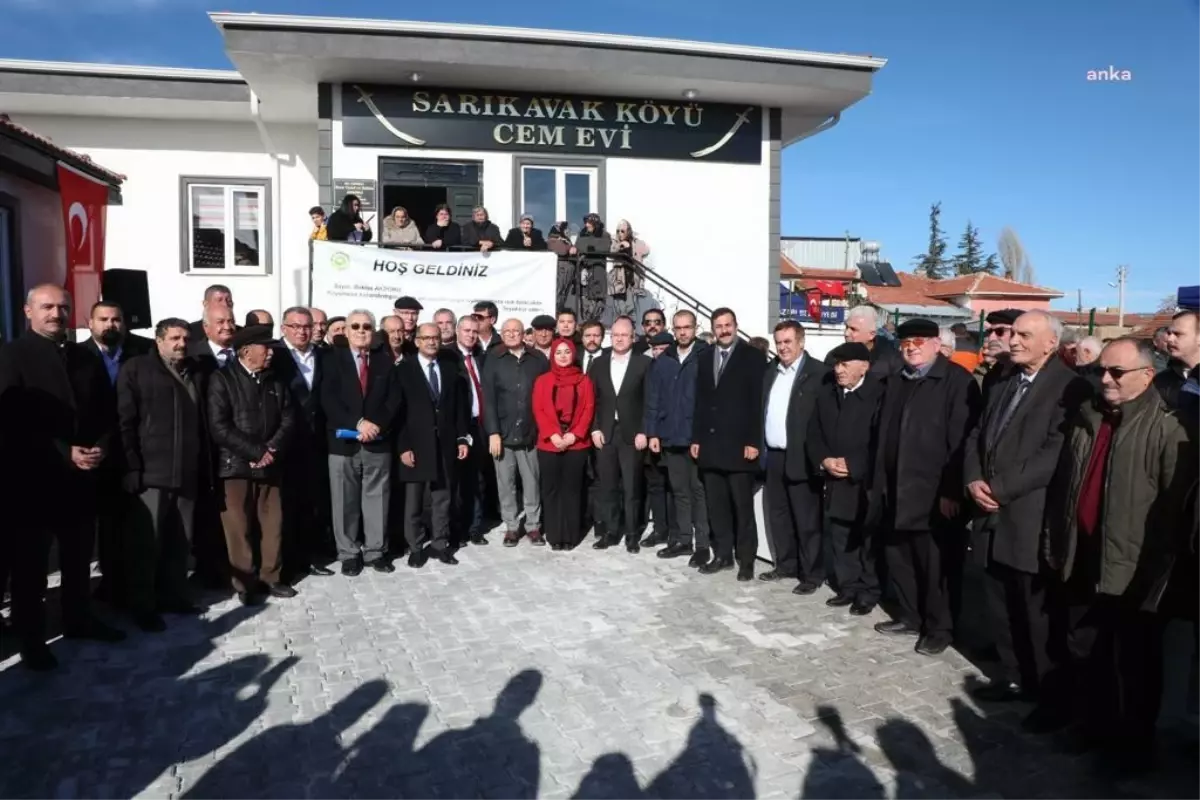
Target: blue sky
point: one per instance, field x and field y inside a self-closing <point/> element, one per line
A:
<point x="984" y="106"/>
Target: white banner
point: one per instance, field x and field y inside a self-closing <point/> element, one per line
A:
<point x="348" y="276"/>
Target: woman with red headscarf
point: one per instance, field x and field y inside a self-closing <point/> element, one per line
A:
<point x="564" y="401"/>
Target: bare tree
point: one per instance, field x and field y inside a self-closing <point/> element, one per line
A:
<point x="1168" y="305"/>
<point x="1013" y="257"/>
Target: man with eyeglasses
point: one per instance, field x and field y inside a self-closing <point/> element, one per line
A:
<point x="993" y="366"/>
<point x="928" y="409"/>
<point x="307" y="544"/>
<point x="1010" y="459"/>
<point x="487" y="314"/>
<point x="654" y="322"/>
<point x="1116" y="523"/>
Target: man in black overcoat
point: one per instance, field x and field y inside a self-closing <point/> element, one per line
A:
<point x="727" y="436"/>
<point x="1011" y="455"/>
<point x="431" y="438"/>
<point x="928" y="409"/>
<point x="57" y="418"/>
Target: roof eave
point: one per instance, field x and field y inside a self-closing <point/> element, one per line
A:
<point x="72" y="159"/>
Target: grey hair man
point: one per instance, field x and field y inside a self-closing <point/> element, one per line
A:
<point x="862" y="326"/>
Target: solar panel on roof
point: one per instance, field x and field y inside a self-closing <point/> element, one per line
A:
<point x="889" y="276"/>
<point x="870" y="275"/>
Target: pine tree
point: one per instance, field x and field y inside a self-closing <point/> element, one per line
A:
<point x="970" y="258"/>
<point x="932" y="263"/>
<point x="991" y="265"/>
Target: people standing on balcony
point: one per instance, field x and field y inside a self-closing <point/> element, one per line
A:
<point x="481" y="233"/>
<point x="862" y="326"/>
<point x="444" y="233"/>
<point x="347" y="223"/>
<point x="319" y="232"/>
<point x="592" y="246"/>
<point x="566" y="284"/>
<point x="563" y="408"/>
<point x="525" y="236"/>
<point x="399" y="229"/>
<point x="624" y="280"/>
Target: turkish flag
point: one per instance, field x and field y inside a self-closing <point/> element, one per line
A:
<point x="85" y="207"/>
<point x="813" y="297"/>
<point x="831" y="288"/>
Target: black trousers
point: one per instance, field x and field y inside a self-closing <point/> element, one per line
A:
<point x="30" y="542"/>
<point x="854" y="559"/>
<point x="687" y="494"/>
<point x="793" y="512"/>
<point x="1016" y="603"/>
<point x="593" y="514"/>
<point x="917" y="580"/>
<point x="658" y="497"/>
<point x="730" y="497"/>
<point x="114" y="507"/>
<point x="429" y="501"/>
<point x="620" y="468"/>
<point x="208" y="540"/>
<point x="561" y="476"/>
<point x="470" y="488"/>
<point x="156" y="549"/>
<point x="307" y="513"/>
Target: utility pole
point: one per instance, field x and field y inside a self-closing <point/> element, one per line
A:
<point x="1079" y="303"/>
<point x="1122" y="274"/>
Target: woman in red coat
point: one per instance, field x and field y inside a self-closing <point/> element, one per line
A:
<point x="563" y="403"/>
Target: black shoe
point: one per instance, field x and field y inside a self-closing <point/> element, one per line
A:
<point x="512" y="539"/>
<point x="632" y="546"/>
<point x="447" y="556"/>
<point x="251" y="598"/>
<point x="838" y="600"/>
<point x="183" y="607"/>
<point x="558" y="547"/>
<point x="1045" y="719"/>
<point x="745" y="573"/>
<point x="94" y="630"/>
<point x="1001" y="692"/>
<point x="932" y="645"/>
<point x="352" y="567"/>
<point x="675" y="551"/>
<point x="417" y="559"/>
<point x="861" y="609"/>
<point x="700" y="558"/>
<point x="281" y="590"/>
<point x="604" y="542"/>
<point x="38" y="659"/>
<point x="716" y="565"/>
<point x="896" y="628"/>
<point x="383" y="565"/>
<point x="150" y="623"/>
<point x="805" y="588"/>
<point x="478" y="539"/>
<point x="654" y="540"/>
<point x="772" y="575"/>
<point x="317" y="569"/>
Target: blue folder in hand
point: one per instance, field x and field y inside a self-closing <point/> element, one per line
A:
<point x="346" y="433"/>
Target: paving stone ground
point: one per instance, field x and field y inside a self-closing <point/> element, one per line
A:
<point x="523" y="673"/>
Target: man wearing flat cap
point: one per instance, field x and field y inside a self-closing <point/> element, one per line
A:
<point x="251" y="416"/>
<point x="408" y="309"/>
<point x="841" y="442"/>
<point x="544" y="327"/>
<point x="994" y="366"/>
<point x="928" y="409"/>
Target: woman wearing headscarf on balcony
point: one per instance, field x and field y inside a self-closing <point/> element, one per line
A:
<point x="346" y="224"/>
<point x="593" y="244"/>
<point x="525" y="236"/>
<point x="444" y="233"/>
<point x="400" y="229"/>
<point x="624" y="281"/>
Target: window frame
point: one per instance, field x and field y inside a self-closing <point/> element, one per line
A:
<point x="228" y="185"/>
<point x="593" y="167"/>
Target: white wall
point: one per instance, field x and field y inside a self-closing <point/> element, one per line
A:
<point x="144" y="233"/>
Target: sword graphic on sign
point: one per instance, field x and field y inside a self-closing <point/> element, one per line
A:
<point x="363" y="97"/>
<point x="743" y="119"/>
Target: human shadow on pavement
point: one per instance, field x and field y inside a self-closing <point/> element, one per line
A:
<point x="610" y="778"/>
<point x="113" y="719"/>
<point x="837" y="772"/>
<point x="714" y="764"/>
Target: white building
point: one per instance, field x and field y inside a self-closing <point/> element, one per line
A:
<point x="683" y="139"/>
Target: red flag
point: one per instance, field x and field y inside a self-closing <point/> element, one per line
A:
<point x="84" y="207"/>
<point x="831" y="288"/>
<point x="813" y="296"/>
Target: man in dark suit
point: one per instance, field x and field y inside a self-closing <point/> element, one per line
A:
<point x="474" y="472"/>
<point x="1010" y="460"/>
<point x="359" y="393"/>
<point x="113" y="346"/>
<point x="216" y="296"/>
<point x="431" y="439"/>
<point x="792" y="492"/>
<point x="304" y="492"/>
<point x="56" y="424"/>
<point x="619" y="376"/>
<point x="928" y="409"/>
<point x="488" y="315"/>
<point x="727" y="434"/>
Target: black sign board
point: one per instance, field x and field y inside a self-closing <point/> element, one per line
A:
<point x="468" y="119"/>
<point x="364" y="190"/>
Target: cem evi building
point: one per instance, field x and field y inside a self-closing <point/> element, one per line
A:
<point x="683" y="139"/>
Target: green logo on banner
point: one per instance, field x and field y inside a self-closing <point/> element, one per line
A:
<point x="339" y="261"/>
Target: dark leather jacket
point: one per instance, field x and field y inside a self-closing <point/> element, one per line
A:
<point x="248" y="415"/>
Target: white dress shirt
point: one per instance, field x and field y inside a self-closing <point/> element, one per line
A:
<point x="588" y="358"/>
<point x="618" y="368"/>
<point x="468" y="358"/>
<point x="425" y="362"/>
<point x="220" y="353"/>
<point x="306" y="362"/>
<point x="777" y="404"/>
<point x="861" y="381"/>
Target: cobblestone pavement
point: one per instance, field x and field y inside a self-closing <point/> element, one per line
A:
<point x="526" y="673"/>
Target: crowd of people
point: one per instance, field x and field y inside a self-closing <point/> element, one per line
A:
<point x="252" y="460"/>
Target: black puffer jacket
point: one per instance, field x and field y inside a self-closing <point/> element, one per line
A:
<point x="508" y="395"/>
<point x="247" y="416"/>
<point x="161" y="420"/>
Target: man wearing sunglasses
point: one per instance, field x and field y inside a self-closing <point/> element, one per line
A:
<point x="928" y="409"/>
<point x="1116" y="523"/>
<point x="997" y="335"/>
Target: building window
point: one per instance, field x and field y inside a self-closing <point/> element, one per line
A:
<point x="551" y="194"/>
<point x="226" y="226"/>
